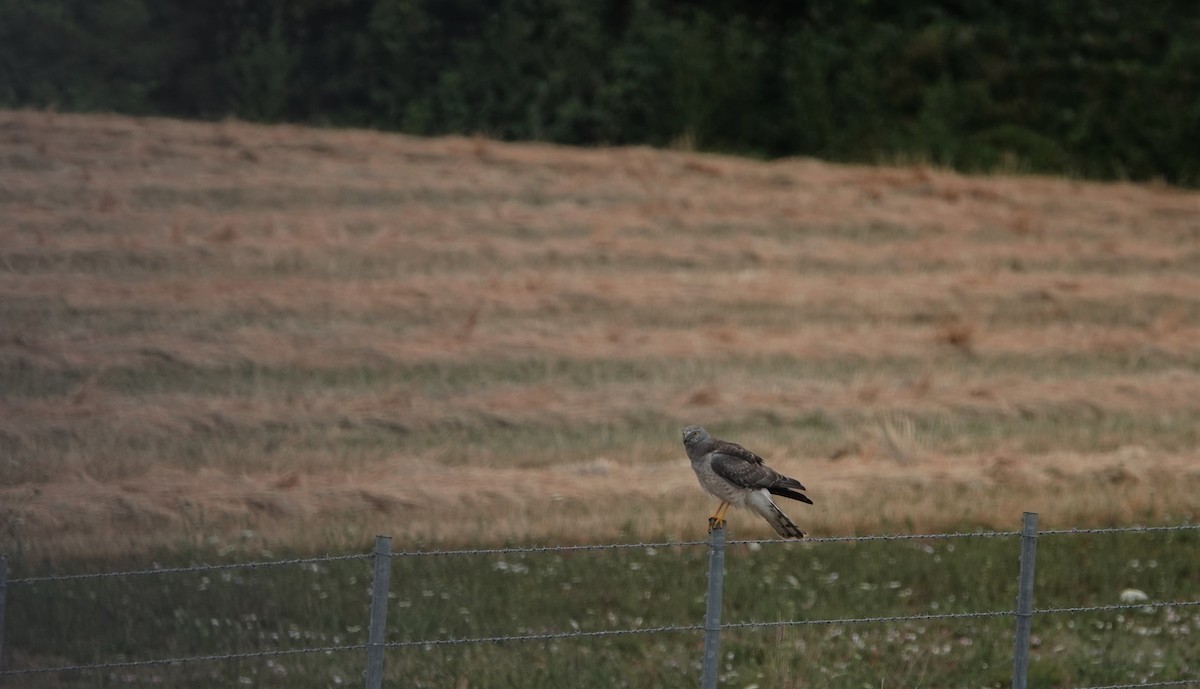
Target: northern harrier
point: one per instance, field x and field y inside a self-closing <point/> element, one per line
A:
<point x="738" y="477"/>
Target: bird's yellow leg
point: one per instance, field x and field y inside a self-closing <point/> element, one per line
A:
<point x="724" y="509"/>
<point x="717" y="521"/>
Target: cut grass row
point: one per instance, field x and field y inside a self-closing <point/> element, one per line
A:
<point x="20" y="379"/>
<point x="572" y="308"/>
<point x="102" y="448"/>
<point x="333" y="263"/>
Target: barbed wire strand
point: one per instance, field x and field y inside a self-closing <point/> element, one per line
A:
<point x="187" y="659"/>
<point x="780" y="623"/>
<point x="559" y="635"/>
<point x="869" y="620"/>
<point x="1120" y="529"/>
<point x="595" y="547"/>
<point x="677" y="544"/>
<point x="189" y="569"/>
<point x="1123" y="606"/>
<point x="547" y="636"/>
<point x="551" y="636"/>
<point x="545" y="549"/>
<point x="692" y="627"/>
<point x="883" y="537"/>
<point x="1168" y="683"/>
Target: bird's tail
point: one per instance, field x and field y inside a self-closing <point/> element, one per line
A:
<point x="760" y="502"/>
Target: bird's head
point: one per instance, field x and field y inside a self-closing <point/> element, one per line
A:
<point x="694" y="434"/>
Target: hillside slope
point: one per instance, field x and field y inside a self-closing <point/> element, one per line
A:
<point x="234" y="335"/>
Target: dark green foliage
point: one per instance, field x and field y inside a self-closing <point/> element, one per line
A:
<point x="80" y="54"/>
<point x="1100" y="88"/>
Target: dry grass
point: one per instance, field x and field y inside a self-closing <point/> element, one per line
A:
<point x="314" y="335"/>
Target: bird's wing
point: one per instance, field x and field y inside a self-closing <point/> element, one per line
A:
<point x="734" y="450"/>
<point x="743" y="468"/>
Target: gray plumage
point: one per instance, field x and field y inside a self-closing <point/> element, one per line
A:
<point x="739" y="477"/>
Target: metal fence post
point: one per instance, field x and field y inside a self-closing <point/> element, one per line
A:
<point x="1025" y="599"/>
<point x="712" y="611"/>
<point x="377" y="632"/>
<point x="3" y="597"/>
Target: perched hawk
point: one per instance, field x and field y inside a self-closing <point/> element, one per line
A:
<point x="738" y="477"/>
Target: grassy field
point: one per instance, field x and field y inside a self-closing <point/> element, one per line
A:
<point x="224" y="340"/>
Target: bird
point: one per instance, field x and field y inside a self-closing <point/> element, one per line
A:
<point x="739" y="477"/>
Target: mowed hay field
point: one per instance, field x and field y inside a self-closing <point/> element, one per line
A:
<point x="242" y="337"/>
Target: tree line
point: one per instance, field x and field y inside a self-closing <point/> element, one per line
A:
<point x="1098" y="88"/>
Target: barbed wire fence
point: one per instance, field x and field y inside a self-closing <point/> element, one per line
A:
<point x="382" y="557"/>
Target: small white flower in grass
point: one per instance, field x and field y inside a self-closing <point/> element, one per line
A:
<point x="1131" y="596"/>
<point x="513" y="567"/>
<point x="1134" y="596"/>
